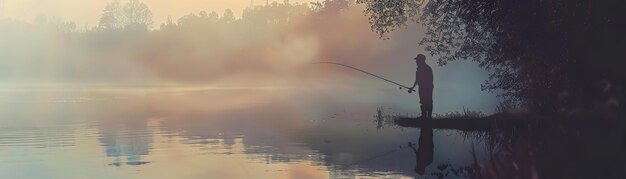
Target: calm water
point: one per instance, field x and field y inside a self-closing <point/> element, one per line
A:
<point x="264" y="133"/>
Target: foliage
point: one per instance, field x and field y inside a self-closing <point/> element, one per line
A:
<point x="55" y="24"/>
<point x="466" y="114"/>
<point x="549" y="55"/>
<point x="134" y="14"/>
<point x="111" y="16"/>
<point x="389" y="15"/>
<point x="331" y="6"/>
<point x="137" y="14"/>
<point x="275" y="13"/>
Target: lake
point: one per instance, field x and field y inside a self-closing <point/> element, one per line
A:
<point x="221" y="133"/>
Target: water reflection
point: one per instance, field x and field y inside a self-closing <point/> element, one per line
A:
<point x="424" y="154"/>
<point x="127" y="138"/>
<point x="260" y="133"/>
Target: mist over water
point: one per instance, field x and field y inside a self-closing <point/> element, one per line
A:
<point x="214" y="97"/>
<point x="208" y="133"/>
<point x="259" y="49"/>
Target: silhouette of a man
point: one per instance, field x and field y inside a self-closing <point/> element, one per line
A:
<point x="424" y="154"/>
<point x="424" y="81"/>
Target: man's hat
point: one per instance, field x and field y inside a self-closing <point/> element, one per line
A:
<point x="420" y="57"/>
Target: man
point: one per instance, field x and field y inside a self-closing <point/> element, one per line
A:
<point x="424" y="79"/>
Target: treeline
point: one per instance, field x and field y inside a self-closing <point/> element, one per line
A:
<point x="126" y="47"/>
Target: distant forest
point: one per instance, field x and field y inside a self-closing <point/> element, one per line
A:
<point x="127" y="47"/>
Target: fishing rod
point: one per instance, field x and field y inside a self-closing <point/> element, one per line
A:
<point x="368" y="73"/>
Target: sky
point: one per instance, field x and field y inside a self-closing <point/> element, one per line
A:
<point x="81" y="11"/>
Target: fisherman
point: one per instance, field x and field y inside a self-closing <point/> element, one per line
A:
<point x="424" y="81"/>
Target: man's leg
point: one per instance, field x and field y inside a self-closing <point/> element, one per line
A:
<point x="430" y="102"/>
<point x="423" y="102"/>
<point x="426" y="99"/>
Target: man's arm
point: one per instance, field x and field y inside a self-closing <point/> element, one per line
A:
<point x="414" y="84"/>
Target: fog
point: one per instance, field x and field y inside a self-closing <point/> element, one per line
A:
<point x="88" y="12"/>
<point x="272" y="46"/>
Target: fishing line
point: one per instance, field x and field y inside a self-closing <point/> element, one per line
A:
<point x="368" y="73"/>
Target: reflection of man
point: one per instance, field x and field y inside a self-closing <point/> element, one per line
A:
<point x="424" y="154"/>
<point x="424" y="79"/>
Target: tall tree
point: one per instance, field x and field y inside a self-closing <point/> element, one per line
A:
<point x="137" y="15"/>
<point x="111" y="18"/>
<point x="549" y="55"/>
<point x="134" y="14"/>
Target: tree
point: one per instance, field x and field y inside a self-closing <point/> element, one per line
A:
<point x="111" y="18"/>
<point x="169" y="24"/>
<point x="228" y="16"/>
<point x="137" y="14"/>
<point x="133" y="14"/>
<point x="62" y="26"/>
<point x="213" y="16"/>
<point x="546" y="55"/>
<point x="331" y="6"/>
<point x="55" y="23"/>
